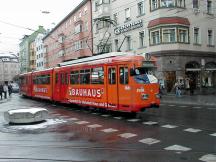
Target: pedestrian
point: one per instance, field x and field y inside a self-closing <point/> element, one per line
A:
<point x="5" y="88"/>
<point x="192" y="86"/>
<point x="1" y="90"/>
<point x="177" y="89"/>
<point x="9" y="89"/>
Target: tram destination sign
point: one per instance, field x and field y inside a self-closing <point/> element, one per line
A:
<point x="128" y="27"/>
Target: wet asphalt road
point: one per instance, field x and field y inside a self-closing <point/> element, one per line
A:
<point x="173" y="133"/>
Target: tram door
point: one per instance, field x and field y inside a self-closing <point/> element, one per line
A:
<point x="56" y="88"/>
<point x="63" y="85"/>
<point x="112" y="88"/>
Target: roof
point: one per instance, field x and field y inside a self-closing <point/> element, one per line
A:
<point x="8" y="55"/>
<point x="169" y="20"/>
<point x="71" y="13"/>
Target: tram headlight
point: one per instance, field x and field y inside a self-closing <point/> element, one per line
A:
<point x="145" y="96"/>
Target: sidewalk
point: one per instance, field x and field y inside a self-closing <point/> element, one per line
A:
<point x="208" y="100"/>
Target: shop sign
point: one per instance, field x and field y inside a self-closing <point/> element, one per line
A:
<point x="128" y="27"/>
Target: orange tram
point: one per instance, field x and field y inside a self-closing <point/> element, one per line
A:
<point x="115" y="81"/>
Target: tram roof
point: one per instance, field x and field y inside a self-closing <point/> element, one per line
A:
<point x="96" y="58"/>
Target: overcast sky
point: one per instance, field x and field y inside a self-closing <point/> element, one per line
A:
<point x="15" y="15"/>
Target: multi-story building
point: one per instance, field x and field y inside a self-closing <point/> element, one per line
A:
<point x="180" y="33"/>
<point x="9" y="67"/>
<point x="27" y="51"/>
<point x="39" y="49"/>
<point x="71" y="38"/>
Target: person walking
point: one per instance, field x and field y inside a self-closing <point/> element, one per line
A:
<point x="178" y="89"/>
<point x="1" y="90"/>
<point x="9" y="89"/>
<point x="5" y="88"/>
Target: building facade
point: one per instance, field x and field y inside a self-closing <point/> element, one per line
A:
<point x="27" y="51"/>
<point x="39" y="49"/>
<point x="180" y="33"/>
<point x="9" y="67"/>
<point x="71" y="38"/>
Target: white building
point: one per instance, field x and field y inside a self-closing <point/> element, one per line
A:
<point x="180" y="33"/>
<point x="9" y="67"/>
<point x="39" y="48"/>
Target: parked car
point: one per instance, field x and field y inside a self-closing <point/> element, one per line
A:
<point x="15" y="87"/>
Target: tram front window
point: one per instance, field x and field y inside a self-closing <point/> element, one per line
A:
<point x="144" y="75"/>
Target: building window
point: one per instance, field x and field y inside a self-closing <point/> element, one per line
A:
<point x="141" y="8"/>
<point x="169" y="35"/>
<point x="116" y="42"/>
<point x="183" y="35"/>
<point x="195" y="3"/>
<point x="155" y="37"/>
<point x="209" y="7"/>
<point x="127" y="14"/>
<point x="196" y="36"/>
<point x="167" y="3"/>
<point x="115" y="18"/>
<point x="129" y="43"/>
<point x="154" y="4"/>
<point x="180" y="3"/>
<point x="78" y="28"/>
<point x="102" y="48"/>
<point x="141" y="39"/>
<point x="210" y="38"/>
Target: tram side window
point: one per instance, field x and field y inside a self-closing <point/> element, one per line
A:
<point x="85" y="76"/>
<point x="74" y="77"/>
<point x="112" y="75"/>
<point x="97" y="75"/>
<point x="41" y="79"/>
<point x="62" y="78"/>
<point x="123" y="73"/>
<point x="56" y="78"/>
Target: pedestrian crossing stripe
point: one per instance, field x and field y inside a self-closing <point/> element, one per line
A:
<point x="82" y="122"/>
<point x="127" y="135"/>
<point x="169" y="126"/>
<point x="109" y="130"/>
<point x="192" y="130"/>
<point x="208" y="158"/>
<point x="177" y="148"/>
<point x="94" y="126"/>
<point x="149" y="141"/>
<point x="150" y="123"/>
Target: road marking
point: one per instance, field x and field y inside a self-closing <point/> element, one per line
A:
<point x="95" y="113"/>
<point x="196" y="107"/>
<point x="150" y="123"/>
<point x="82" y="122"/>
<point x="171" y="105"/>
<point x="74" y="119"/>
<point x="183" y="106"/>
<point x="118" y="117"/>
<point x="133" y="120"/>
<point x="192" y="130"/>
<point x="177" y="148"/>
<point x="212" y="108"/>
<point x="105" y="116"/>
<point x="94" y="126"/>
<point x="169" y="126"/>
<point x="127" y="135"/>
<point x="109" y="130"/>
<point x="214" y="134"/>
<point x="208" y="158"/>
<point x="149" y="141"/>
